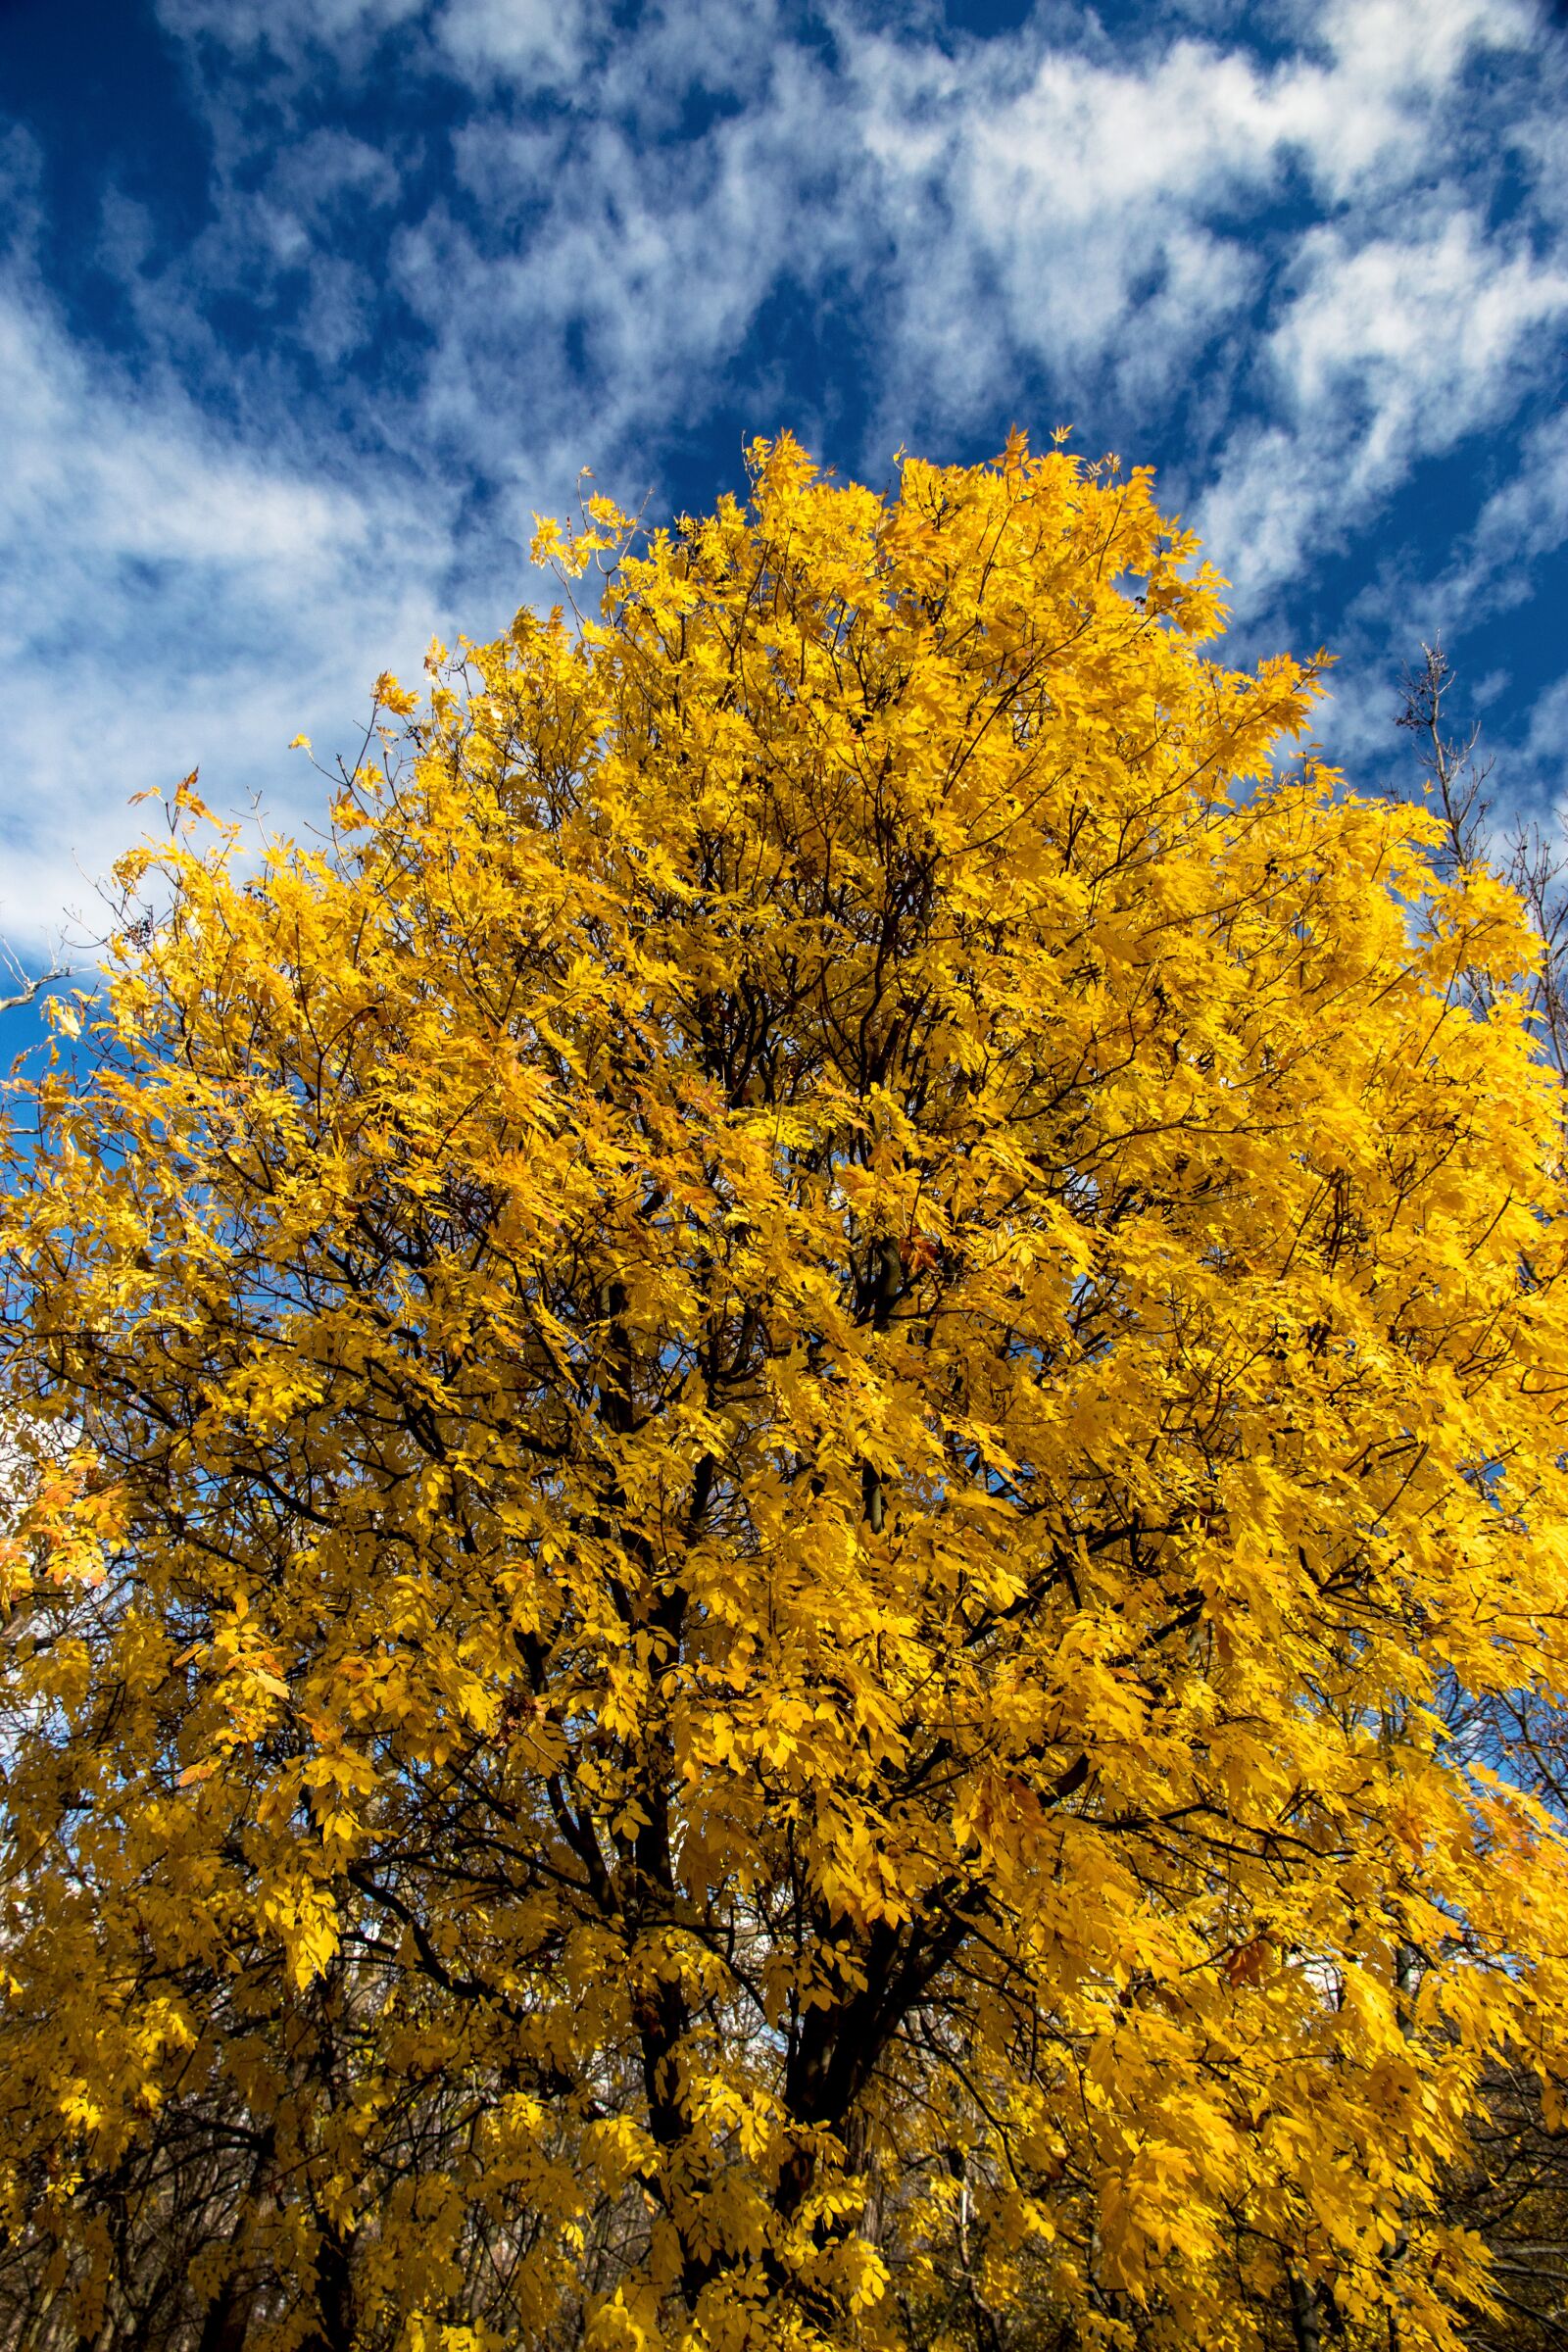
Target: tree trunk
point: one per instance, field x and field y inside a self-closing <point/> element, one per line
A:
<point x="1304" y="2321"/>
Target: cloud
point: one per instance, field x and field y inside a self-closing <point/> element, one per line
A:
<point x="291" y="36"/>
<point x="1103" y="214"/>
<point x="1543" y="745"/>
<point x="169" y="601"/>
<point x="535" y="42"/>
<point x="1384" y="355"/>
<point x="1524" y="521"/>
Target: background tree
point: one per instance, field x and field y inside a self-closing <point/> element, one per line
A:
<point x="1529" y="855"/>
<point x="791" y="1389"/>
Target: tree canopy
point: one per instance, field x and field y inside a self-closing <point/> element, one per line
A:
<point x="757" y="1439"/>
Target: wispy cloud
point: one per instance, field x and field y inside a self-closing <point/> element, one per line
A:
<point x="169" y="601"/>
<point x="1383" y="355"/>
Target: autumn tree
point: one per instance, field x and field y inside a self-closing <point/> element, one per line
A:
<point x="779" y="1406"/>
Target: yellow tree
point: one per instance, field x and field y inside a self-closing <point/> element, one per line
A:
<point x="776" y="1404"/>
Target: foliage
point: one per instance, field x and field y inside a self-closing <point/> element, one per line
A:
<point x="778" y="1411"/>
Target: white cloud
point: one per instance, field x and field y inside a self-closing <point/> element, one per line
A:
<point x="1520" y="523"/>
<point x="1426" y="328"/>
<point x="1101" y="212"/>
<point x="168" y="602"/>
<point x="1386" y="355"/>
<point x="641" y="277"/>
<point x="1370" y="116"/>
<point x="1547" y="740"/>
<point x="577" y="50"/>
<point x="538" y="42"/>
<point x="290" y="32"/>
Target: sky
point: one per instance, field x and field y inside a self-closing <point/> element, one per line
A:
<point x="308" y="305"/>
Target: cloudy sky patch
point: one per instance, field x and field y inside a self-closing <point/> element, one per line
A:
<point x="304" y="311"/>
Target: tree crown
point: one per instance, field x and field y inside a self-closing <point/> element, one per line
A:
<point x="794" y="1395"/>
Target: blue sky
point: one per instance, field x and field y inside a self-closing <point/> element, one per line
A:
<point x="305" y="307"/>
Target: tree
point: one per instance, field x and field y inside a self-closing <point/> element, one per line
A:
<point x="787" y="1394"/>
<point x="1528" y="857"/>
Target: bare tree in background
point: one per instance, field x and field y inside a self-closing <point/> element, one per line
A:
<point x="1529" y="855"/>
<point x="28" y="988"/>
